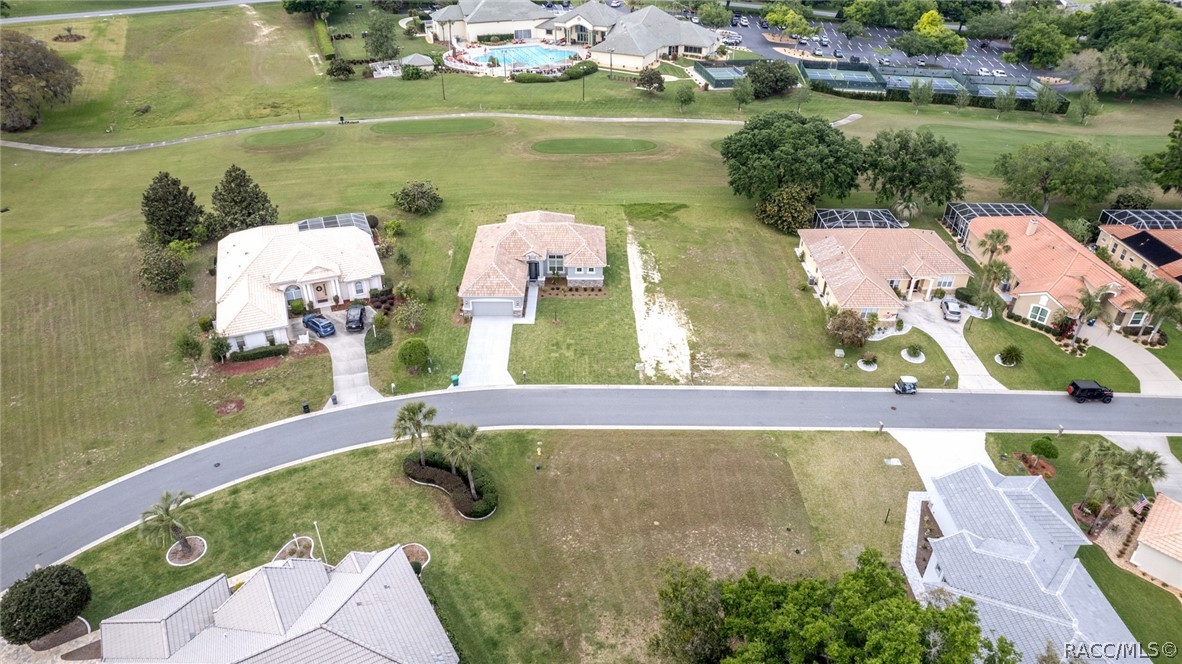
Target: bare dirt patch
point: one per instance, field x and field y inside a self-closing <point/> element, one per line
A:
<point x="297" y="351"/>
<point x="75" y="629"/>
<point x="231" y="406"/>
<point x="662" y="328"/>
<point x="176" y="556"/>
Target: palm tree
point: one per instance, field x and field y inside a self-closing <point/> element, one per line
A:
<point x="465" y="445"/>
<point x="1163" y="301"/>
<point x="161" y="520"/>
<point x="1091" y="305"/>
<point x="1095" y="456"/>
<point x="995" y="242"/>
<point x="1145" y="466"/>
<point x="1119" y="488"/>
<point x="413" y="418"/>
<point x="441" y="437"/>
<point x="992" y="273"/>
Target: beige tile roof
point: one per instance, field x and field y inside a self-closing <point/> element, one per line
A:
<point x="1163" y="527"/>
<point x="255" y="265"/>
<point x="497" y="265"/>
<point x="856" y="263"/>
<point x="1051" y="261"/>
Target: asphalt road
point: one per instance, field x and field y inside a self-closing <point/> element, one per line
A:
<point x="94" y="516"/>
<point x="134" y="10"/>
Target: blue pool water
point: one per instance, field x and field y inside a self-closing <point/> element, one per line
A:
<point x="531" y="56"/>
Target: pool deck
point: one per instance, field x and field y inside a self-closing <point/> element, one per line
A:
<point x="466" y="59"/>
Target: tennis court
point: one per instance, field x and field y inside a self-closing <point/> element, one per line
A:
<point x="902" y="82"/>
<point x="841" y="75"/>
<point x="1024" y="92"/>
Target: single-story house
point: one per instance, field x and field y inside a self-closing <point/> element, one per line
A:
<point x="588" y="23"/>
<point x="872" y="270"/>
<point x="510" y="257"/>
<point x="368" y="608"/>
<point x="1159" y="544"/>
<point x="1008" y="544"/>
<point x="1146" y="239"/>
<point x="1050" y="268"/>
<point x="262" y="270"/>
<point x="469" y="20"/>
<point x="643" y="37"/>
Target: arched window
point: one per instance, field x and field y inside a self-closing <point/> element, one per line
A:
<point x="293" y="293"/>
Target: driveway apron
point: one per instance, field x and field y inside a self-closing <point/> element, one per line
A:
<point x="937" y="452"/>
<point x="1156" y="378"/>
<point x="973" y="375"/>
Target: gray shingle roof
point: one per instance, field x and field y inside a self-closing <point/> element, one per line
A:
<point x="492" y="11"/>
<point x="650" y="29"/>
<point x="370" y="609"/>
<point x="595" y="13"/>
<point x="447" y="14"/>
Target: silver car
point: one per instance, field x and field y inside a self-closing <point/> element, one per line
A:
<point x="951" y="310"/>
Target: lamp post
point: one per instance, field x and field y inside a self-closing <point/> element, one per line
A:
<point x="584" y="88"/>
<point x="610" y="59"/>
<point x="441" y="84"/>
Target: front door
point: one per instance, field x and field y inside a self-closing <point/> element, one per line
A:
<point x="320" y="291"/>
<point x="533" y="270"/>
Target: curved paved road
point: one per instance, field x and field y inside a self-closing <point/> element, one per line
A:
<point x="75" y="525"/>
<point x="43" y="18"/>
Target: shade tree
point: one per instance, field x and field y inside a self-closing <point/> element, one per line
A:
<point x="914" y="166"/>
<point x="35" y="78"/>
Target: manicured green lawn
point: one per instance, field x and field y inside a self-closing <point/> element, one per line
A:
<point x="283" y="137"/>
<point x="567" y="570"/>
<point x="21" y="8"/>
<point x="1176" y="446"/>
<point x="1171" y="354"/>
<point x="593" y="145"/>
<point x="1045" y="366"/>
<point x="1149" y="612"/>
<point x="422" y="127"/>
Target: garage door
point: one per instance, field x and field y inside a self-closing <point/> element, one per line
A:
<point x="492" y="308"/>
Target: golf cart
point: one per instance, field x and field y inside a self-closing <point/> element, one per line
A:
<point x="906" y="385"/>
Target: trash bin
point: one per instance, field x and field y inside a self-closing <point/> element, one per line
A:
<point x="334" y="399"/>
<point x="455" y="380"/>
<point x="306" y="408"/>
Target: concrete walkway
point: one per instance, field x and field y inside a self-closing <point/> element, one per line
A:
<point x="350" y="370"/>
<point x="973" y="375"/>
<point x="1156" y="378"/>
<point x="486" y="359"/>
<point x="937" y="452"/>
<point x="1172" y="484"/>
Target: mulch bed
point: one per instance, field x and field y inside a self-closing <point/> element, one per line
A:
<point x="68" y="38"/>
<point x="300" y="551"/>
<point x="231" y="406"/>
<point x="1039" y="467"/>
<point x="415" y="553"/>
<point x="178" y="557"/>
<point x="928" y="530"/>
<point x="582" y="292"/>
<point x="92" y="650"/>
<point x="75" y="629"/>
<point x="297" y="351"/>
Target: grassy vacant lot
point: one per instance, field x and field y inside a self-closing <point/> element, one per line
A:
<point x="46" y="7"/>
<point x="1045" y="366"/>
<point x="1149" y="612"/>
<point x="567" y="568"/>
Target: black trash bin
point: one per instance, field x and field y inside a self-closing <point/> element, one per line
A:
<point x="306" y="408"/>
<point x="334" y="399"/>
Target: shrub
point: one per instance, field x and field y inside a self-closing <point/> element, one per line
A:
<point x="341" y="69"/>
<point x="939" y="293"/>
<point x="372" y="220"/>
<point x="324" y="40"/>
<point x="914" y="350"/>
<point x="219" y="348"/>
<point x="1045" y="448"/>
<point x="899" y="325"/>
<point x="418" y="197"/>
<point x="485" y="39"/>
<point x="416" y="567"/>
<point x="205" y="323"/>
<point x="651" y="80"/>
<point x="413" y="354"/>
<point x="42" y="603"/>
<point x="161" y="270"/>
<point x="385" y="248"/>
<point x="869" y="358"/>
<point x="296" y="307"/>
<point x="438" y="472"/>
<point x="528" y="77"/>
<point x="789" y="208"/>
<point x="380" y="339"/>
<point x="414" y="73"/>
<point x="184" y="283"/>
<point x="1133" y="200"/>
<point x="380" y="320"/>
<point x="393" y="228"/>
<point x="579" y="70"/>
<point x="849" y="328"/>
<point x="1011" y="355"/>
<point x="278" y="350"/>
<point x="404" y="290"/>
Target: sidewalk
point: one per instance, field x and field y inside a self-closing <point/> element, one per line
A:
<point x="1156" y="378"/>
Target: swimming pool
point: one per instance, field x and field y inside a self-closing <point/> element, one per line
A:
<point x="530" y="56"/>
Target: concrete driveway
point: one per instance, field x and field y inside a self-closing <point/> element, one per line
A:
<point x="973" y="375"/>
<point x="937" y="452"/>
<point x="1156" y="378"/>
<point x="350" y="370"/>
<point x="486" y="359"/>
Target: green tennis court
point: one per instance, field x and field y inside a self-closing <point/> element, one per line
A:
<point x="840" y="75"/>
<point x="902" y="82"/>
<point x="1024" y="92"/>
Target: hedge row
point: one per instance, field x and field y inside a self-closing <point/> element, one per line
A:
<point x="484" y="39"/>
<point x="573" y="73"/>
<point x="438" y="472"/>
<point x="527" y="77"/>
<point x="1034" y="324"/>
<point x="259" y="353"/>
<point x="965" y="295"/>
<point x="324" y="40"/>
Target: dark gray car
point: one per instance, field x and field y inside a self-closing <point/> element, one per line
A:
<point x="355" y="317"/>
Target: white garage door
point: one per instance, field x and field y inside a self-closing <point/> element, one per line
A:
<point x="492" y="308"/>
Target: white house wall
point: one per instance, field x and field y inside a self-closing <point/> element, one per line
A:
<point x="474" y="30"/>
<point x="1158" y="564"/>
<point x="619" y="61"/>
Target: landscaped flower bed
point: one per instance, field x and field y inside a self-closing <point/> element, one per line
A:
<point x="437" y="472"/>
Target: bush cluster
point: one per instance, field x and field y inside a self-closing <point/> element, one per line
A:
<point x="438" y="472"/>
<point x="43" y="602"/>
<point x="577" y="71"/>
<point x="296" y="307"/>
<point x="277" y="350"/>
<point x="965" y="295"/>
<point x="324" y="41"/>
<point x="488" y="39"/>
<point x="528" y="77"/>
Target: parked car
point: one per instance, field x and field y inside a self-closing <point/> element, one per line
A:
<point x="734" y="21"/>
<point x="838" y="54"/>
<point x="763" y="23"/>
<point x="818" y="52"/>
<point x="803" y="41"/>
<point x="566" y="4"/>
<point x="982" y="71"/>
<point x="549" y="5"/>
<point x="1000" y="72"/>
<point x="824" y="41"/>
<point x="951" y="310"/>
<point x="616" y="3"/>
<point x="355" y="317"/>
<point x="923" y="62"/>
<point x="319" y="325"/>
<point x="794" y="36"/>
<point x="1089" y="390"/>
<point x="693" y="19"/>
<point x="907" y="385"/>
<point x="744" y="22"/>
<point x="854" y="59"/>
